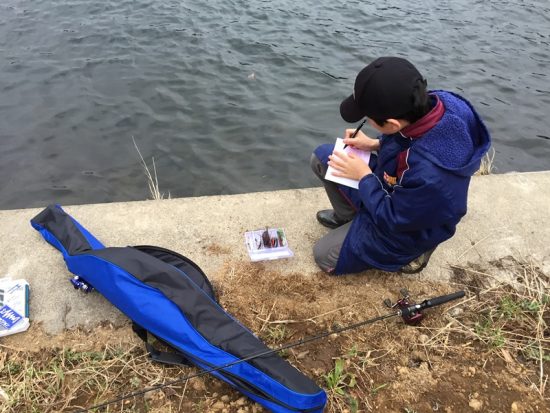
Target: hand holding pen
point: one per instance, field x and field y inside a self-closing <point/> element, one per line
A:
<point x="360" y="140"/>
<point x="354" y="134"/>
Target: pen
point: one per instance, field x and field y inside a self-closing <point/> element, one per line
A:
<point x="354" y="134"/>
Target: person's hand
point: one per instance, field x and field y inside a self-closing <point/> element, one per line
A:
<point x="361" y="141"/>
<point x="348" y="165"/>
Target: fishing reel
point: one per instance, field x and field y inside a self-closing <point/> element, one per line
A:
<point x="81" y="284"/>
<point x="410" y="314"/>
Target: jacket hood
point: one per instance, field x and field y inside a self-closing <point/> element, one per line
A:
<point x="459" y="140"/>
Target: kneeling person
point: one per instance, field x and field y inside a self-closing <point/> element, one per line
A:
<point x="414" y="192"/>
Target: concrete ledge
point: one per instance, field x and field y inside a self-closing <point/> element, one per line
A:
<point x="508" y="215"/>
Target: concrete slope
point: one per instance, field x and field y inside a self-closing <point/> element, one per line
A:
<point x="508" y="215"/>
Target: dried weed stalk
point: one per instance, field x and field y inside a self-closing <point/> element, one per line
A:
<point x="487" y="163"/>
<point x="64" y="380"/>
<point x="152" y="179"/>
<point x="510" y="317"/>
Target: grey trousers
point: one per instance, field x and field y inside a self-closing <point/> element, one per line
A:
<point x="327" y="250"/>
<point x="341" y="206"/>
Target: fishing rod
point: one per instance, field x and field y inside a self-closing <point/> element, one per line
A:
<point x="410" y="312"/>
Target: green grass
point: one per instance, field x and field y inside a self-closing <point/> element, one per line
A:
<point x="340" y="382"/>
<point x="338" y="379"/>
<point x="276" y="334"/>
<point x="489" y="332"/>
<point x="376" y="389"/>
<point x="511" y="315"/>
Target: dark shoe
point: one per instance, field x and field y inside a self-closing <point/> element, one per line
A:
<point x="418" y="264"/>
<point x="328" y="218"/>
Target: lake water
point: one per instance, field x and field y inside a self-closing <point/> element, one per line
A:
<point x="232" y="96"/>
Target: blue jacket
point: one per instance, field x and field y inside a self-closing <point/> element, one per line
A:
<point x="400" y="219"/>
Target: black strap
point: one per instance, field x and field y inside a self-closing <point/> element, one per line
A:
<point x="165" y="357"/>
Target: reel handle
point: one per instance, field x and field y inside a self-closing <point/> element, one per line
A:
<point x="411" y="310"/>
<point x="432" y="302"/>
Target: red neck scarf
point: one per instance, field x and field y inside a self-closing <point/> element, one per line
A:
<point x="425" y="123"/>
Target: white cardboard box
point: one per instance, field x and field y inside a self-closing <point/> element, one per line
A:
<point x="14" y="306"/>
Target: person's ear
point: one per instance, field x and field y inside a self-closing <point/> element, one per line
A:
<point x="394" y="125"/>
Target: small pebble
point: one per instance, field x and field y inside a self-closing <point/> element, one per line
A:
<point x="198" y="385"/>
<point x="455" y="312"/>
<point x="476" y="404"/>
<point x="218" y="405"/>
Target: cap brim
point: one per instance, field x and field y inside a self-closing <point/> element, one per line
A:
<point x="350" y="111"/>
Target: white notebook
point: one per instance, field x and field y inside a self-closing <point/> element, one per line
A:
<point x="339" y="146"/>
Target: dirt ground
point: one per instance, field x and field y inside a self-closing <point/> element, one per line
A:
<point x="383" y="367"/>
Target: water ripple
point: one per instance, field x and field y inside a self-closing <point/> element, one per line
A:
<point x="231" y="96"/>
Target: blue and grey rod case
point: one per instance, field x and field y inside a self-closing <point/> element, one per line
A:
<point x="168" y="296"/>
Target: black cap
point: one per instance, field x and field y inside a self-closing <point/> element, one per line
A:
<point x="383" y="90"/>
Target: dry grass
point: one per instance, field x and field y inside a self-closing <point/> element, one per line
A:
<point x="486" y="167"/>
<point x="63" y="379"/>
<point x="509" y="313"/>
<point x="152" y="180"/>
<point x="364" y="370"/>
